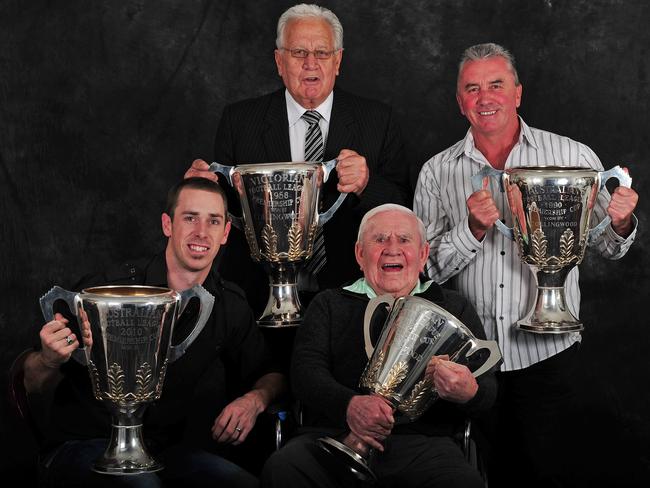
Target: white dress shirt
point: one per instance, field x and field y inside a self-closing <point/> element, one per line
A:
<point x="490" y="273"/>
<point x="298" y="126"/>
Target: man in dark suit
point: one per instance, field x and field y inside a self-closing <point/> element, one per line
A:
<point x="360" y="133"/>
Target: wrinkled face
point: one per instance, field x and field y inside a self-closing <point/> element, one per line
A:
<point x="391" y="254"/>
<point x="488" y="97"/>
<point x="197" y="230"/>
<point x="309" y="80"/>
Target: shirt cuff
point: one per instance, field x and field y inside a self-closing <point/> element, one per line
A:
<point x="464" y="241"/>
<point x="611" y="234"/>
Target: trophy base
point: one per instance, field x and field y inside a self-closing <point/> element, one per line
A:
<point x="125" y="469"/>
<point x="126" y="453"/>
<point x="279" y="321"/>
<point x="550" y="327"/>
<point x="354" y="462"/>
<point x="551" y="314"/>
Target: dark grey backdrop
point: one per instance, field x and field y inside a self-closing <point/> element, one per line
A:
<point x="104" y="104"/>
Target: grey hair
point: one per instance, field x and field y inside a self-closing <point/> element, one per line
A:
<point x="304" y="11"/>
<point x="386" y="207"/>
<point x="485" y="51"/>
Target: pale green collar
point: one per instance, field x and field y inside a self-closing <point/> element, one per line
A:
<point x="362" y="287"/>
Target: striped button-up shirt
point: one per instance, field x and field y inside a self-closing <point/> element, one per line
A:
<point x="490" y="273"/>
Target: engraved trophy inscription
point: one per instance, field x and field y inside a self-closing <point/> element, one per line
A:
<point x="551" y="209"/>
<point x="280" y="206"/>
<point x="415" y="331"/>
<point x="127" y="353"/>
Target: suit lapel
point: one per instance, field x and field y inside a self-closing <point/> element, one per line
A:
<point x="342" y="130"/>
<point x="276" y="131"/>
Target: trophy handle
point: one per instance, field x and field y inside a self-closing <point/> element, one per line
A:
<point x="370" y="311"/>
<point x="207" y="300"/>
<point x="47" y="308"/>
<point x="624" y="180"/>
<point x="328" y="166"/>
<point x="495" y="354"/>
<point x="224" y="170"/>
<point x="227" y="171"/>
<point x="477" y="184"/>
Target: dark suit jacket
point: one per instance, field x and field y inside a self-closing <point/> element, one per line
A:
<point x="256" y="131"/>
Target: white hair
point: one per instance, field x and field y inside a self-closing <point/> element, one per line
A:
<point x="304" y="11"/>
<point x="390" y="207"/>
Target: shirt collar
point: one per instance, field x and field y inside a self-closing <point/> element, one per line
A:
<point x="156" y="275"/>
<point x="295" y="110"/>
<point x="362" y="287"/>
<point x="466" y="146"/>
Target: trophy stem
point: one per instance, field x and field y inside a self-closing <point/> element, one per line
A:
<point x="126" y="452"/>
<point x="283" y="308"/>
<point x="550" y="314"/>
<point x="353" y="453"/>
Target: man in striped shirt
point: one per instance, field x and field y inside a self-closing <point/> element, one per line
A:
<point x="483" y="264"/>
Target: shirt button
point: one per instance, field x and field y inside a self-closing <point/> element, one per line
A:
<point x="503" y="253"/>
<point x="500" y="285"/>
<point x="501" y="318"/>
<point x="473" y="250"/>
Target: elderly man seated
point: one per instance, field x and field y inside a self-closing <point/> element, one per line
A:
<point x="329" y="357"/>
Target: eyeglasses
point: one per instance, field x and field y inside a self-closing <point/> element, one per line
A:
<point x="303" y="53"/>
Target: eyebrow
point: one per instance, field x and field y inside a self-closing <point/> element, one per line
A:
<point x="491" y="82"/>
<point x="194" y="212"/>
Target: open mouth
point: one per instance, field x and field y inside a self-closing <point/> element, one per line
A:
<point x="392" y="267"/>
<point x="487" y="113"/>
<point x="311" y="79"/>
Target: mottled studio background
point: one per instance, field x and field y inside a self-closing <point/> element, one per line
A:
<point x="103" y="105"/>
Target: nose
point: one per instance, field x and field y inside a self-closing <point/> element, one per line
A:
<point x="483" y="96"/>
<point x="392" y="247"/>
<point x="201" y="228"/>
<point x="310" y="61"/>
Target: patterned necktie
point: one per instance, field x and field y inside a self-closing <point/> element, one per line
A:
<point x="314" y="152"/>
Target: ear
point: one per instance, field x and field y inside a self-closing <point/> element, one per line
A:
<point x="424" y="255"/>
<point x="225" y="233"/>
<point x="358" y="253"/>
<point x="166" y="225"/>
<point x="339" y="57"/>
<point x="519" y="88"/>
<point x="278" y="61"/>
<point x="460" y="103"/>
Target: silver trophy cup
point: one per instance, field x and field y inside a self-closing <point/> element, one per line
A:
<point x="127" y="353"/>
<point x="280" y="203"/>
<point x="415" y="331"/>
<point x="551" y="209"/>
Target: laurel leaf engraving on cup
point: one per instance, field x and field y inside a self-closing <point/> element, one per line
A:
<point x="371" y="372"/>
<point x="295" y="240"/>
<point x="395" y="376"/>
<point x="143" y="380"/>
<point x="538" y="248"/>
<point x="270" y="241"/>
<point x="115" y="376"/>
<point x="418" y="401"/>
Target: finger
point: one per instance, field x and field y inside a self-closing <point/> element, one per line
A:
<point x="372" y="442"/>
<point x="200" y="164"/>
<point x="347" y="188"/>
<point x="59" y="322"/>
<point x="485" y="182"/>
<point x="345" y="153"/>
<point x="230" y="432"/>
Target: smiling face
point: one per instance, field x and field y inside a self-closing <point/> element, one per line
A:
<point x="488" y="97"/>
<point x="309" y="80"/>
<point x="391" y="253"/>
<point x="196" y="231"/>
